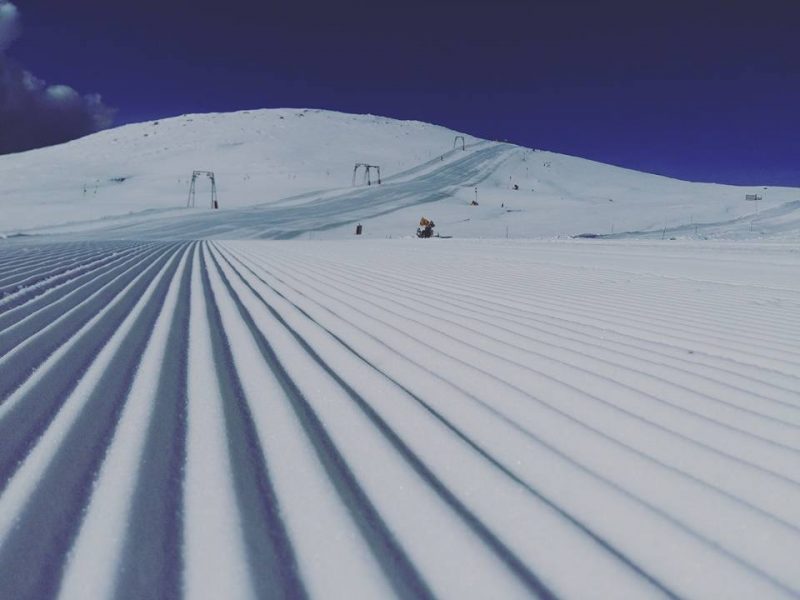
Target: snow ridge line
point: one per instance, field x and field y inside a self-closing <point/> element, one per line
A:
<point x="585" y="332"/>
<point x="353" y="291"/>
<point x="273" y="568"/>
<point x="27" y="320"/>
<point x="26" y="357"/>
<point x="654" y="457"/>
<point x="151" y="564"/>
<point x="496" y="290"/>
<point x="398" y="569"/>
<point x="44" y="286"/>
<point x="557" y="334"/>
<point x="493" y="326"/>
<point x="35" y="550"/>
<point x="51" y="270"/>
<point x="599" y="540"/>
<point x="540" y="295"/>
<point x="506" y="446"/>
<point x="16" y="271"/>
<point x="530" y="579"/>
<point x="611" y="401"/>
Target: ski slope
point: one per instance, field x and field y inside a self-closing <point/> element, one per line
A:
<point x="188" y="409"/>
<point x="454" y="419"/>
<point x="288" y="173"/>
<point x="310" y="214"/>
<point x="258" y="156"/>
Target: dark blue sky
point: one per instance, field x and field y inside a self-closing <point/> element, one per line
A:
<point x="699" y="90"/>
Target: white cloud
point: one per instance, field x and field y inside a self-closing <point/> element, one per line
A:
<point x="62" y="95"/>
<point x="33" y="113"/>
<point x="10" y="27"/>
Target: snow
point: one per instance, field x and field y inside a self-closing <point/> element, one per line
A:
<point x="330" y="557"/>
<point x="214" y="550"/>
<point x="448" y="417"/>
<point x="98" y="548"/>
<point x="287" y="173"/>
<point x="188" y="409"/>
<point x="258" y="157"/>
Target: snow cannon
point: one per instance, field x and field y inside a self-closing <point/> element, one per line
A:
<point x="425" y="229"/>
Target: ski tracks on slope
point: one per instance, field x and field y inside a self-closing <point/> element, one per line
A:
<point x="243" y="419"/>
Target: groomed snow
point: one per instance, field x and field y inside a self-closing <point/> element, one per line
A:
<point x="440" y="418"/>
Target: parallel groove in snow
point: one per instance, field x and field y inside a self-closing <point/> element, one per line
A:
<point x="413" y="461"/>
<point x="614" y="405"/>
<point x="398" y="569"/>
<point x="243" y="419"/>
<point x="706" y="484"/>
<point x="442" y="317"/>
<point x="97" y="551"/>
<point x="45" y="529"/>
<point x="272" y="563"/>
<point x="496" y="464"/>
<point x="558" y="333"/>
<point x="451" y="368"/>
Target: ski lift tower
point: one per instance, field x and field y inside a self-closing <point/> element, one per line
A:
<point x="190" y="201"/>
<point x="367" y="173"/>
<point x="463" y="143"/>
<point x="753" y="198"/>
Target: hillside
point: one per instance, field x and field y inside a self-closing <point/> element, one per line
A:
<point x="258" y="156"/>
<point x="285" y="173"/>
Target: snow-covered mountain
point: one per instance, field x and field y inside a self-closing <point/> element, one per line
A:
<point x="370" y="418"/>
<point x="139" y="174"/>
